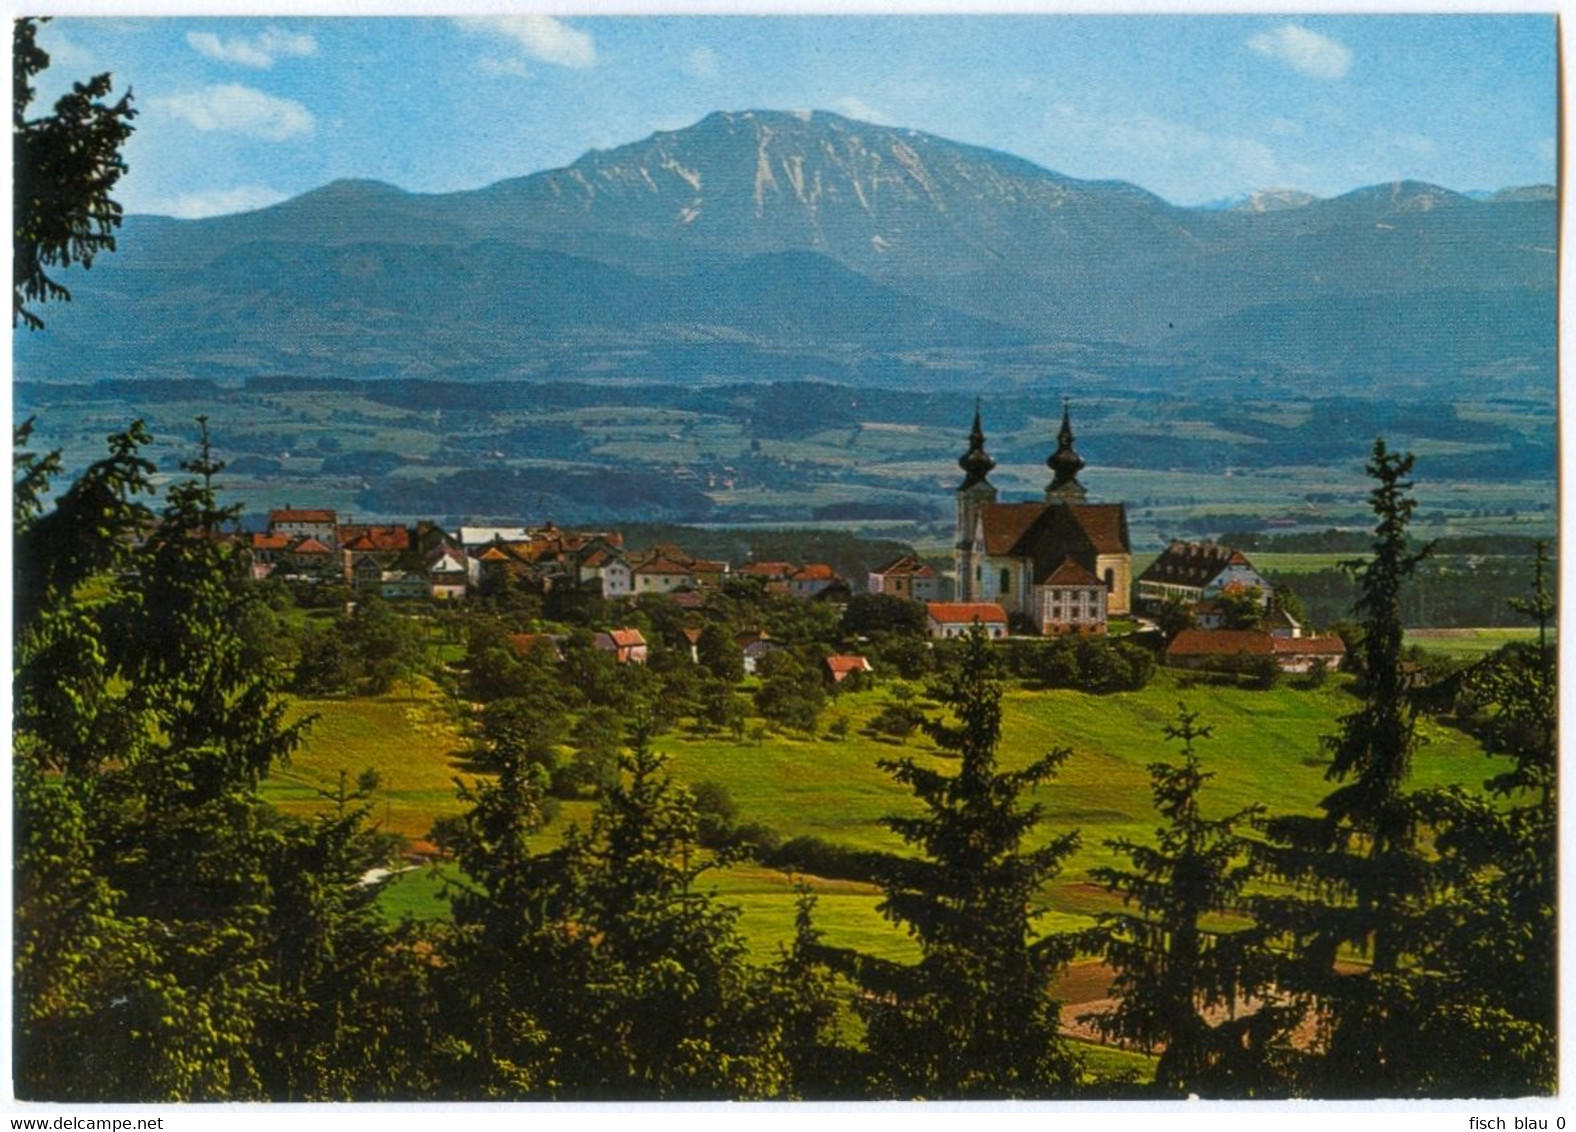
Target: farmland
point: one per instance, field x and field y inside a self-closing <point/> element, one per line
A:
<point x="1265" y="749"/>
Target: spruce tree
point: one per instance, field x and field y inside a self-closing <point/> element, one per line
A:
<point x="974" y="1018"/>
<point x="1346" y="939"/>
<point x="1182" y="977"/>
<point x="1494" y="939"/>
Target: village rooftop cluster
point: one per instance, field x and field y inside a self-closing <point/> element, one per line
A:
<point x="1053" y="567"/>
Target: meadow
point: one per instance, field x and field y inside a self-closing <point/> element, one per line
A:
<point x="1265" y="749"/>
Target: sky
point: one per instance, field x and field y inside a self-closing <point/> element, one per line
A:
<point x="236" y="113"/>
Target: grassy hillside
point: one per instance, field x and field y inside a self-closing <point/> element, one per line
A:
<point x="1265" y="749"/>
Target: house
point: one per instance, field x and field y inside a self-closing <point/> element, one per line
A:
<point x="1209" y="648"/>
<point x="1005" y="553"/>
<point x="755" y="647"/>
<point x="544" y="644"/>
<point x="1195" y="571"/>
<point x="401" y="585"/>
<point x="811" y="579"/>
<point x="1070" y="601"/>
<point x="473" y="539"/>
<point x="449" y="573"/>
<point x="659" y="573"/>
<point x="626" y="645"/>
<point x="311" y="558"/>
<point x="956" y="618"/>
<point x="322" y="525"/>
<point x="1303" y="654"/>
<point x="840" y="668"/>
<point x="906" y="576"/>
<point x="603" y="564"/>
<point x="766" y="572"/>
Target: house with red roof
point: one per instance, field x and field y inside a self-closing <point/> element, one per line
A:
<point x="317" y="523"/>
<point x="1210" y="648"/>
<point x="906" y="576"/>
<point x="1071" y="600"/>
<point x="957" y="618"/>
<point x="626" y="645"/>
<point x="840" y="668"/>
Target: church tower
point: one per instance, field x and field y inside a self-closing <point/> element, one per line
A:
<point x="974" y="491"/>
<point x="1065" y="464"/>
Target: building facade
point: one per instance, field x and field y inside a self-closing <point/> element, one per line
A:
<point x="1016" y="554"/>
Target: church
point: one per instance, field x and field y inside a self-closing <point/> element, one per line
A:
<point x="1063" y="565"/>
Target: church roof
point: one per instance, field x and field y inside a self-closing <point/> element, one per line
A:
<point x="1038" y="529"/>
<point x="1069" y="573"/>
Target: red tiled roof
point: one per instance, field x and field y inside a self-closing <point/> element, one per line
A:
<point x="1320" y="646"/>
<point x="815" y="572"/>
<point x="530" y="642"/>
<point x="294" y="515"/>
<point x="1069" y="573"/>
<point x="625" y="638"/>
<point x="847" y="664"/>
<point x="906" y="565"/>
<point x="1221" y="642"/>
<point x="385" y="539"/>
<point x="310" y="545"/>
<point x="966" y="612"/>
<point x="661" y="565"/>
<point x="270" y="542"/>
<point x="1005" y="524"/>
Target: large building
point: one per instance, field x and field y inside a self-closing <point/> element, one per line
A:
<point x="1018" y="554"/>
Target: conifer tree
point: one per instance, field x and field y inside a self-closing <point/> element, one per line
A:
<point x="162" y="934"/>
<point x="1347" y="939"/>
<point x="673" y="1008"/>
<point x="1173" y="970"/>
<point x="1494" y="938"/>
<point x="974" y="1017"/>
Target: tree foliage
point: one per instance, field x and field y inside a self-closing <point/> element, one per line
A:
<point x="64" y="167"/>
<point x="1184" y="980"/>
<point x="1363" y="882"/>
<point x="974" y="1017"/>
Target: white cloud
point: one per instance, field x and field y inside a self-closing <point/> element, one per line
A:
<point x="274" y="43"/>
<point x="1305" y="51"/>
<point x="540" y="37"/>
<point x="855" y="107"/>
<point x="234" y="109"/>
<point x="219" y="202"/>
<point x="701" y="63"/>
<point x="490" y="65"/>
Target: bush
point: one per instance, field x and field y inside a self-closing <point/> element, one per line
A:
<point x="810" y="854"/>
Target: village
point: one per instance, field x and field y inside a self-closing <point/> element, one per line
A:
<point x="1047" y="568"/>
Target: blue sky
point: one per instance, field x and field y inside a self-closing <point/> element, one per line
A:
<point x="239" y="113"/>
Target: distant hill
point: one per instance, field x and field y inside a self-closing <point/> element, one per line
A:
<point x="769" y="245"/>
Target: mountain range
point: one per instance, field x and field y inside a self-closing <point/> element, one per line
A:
<point x="771" y="245"/>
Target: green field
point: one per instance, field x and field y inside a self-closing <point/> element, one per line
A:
<point x="1469" y="643"/>
<point x="1265" y="749"/>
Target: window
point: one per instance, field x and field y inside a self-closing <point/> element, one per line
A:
<point x="1006" y="580"/>
<point x="1110" y="581"/>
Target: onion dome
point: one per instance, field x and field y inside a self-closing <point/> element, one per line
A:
<point x="976" y="464"/>
<point x="1065" y="463"/>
